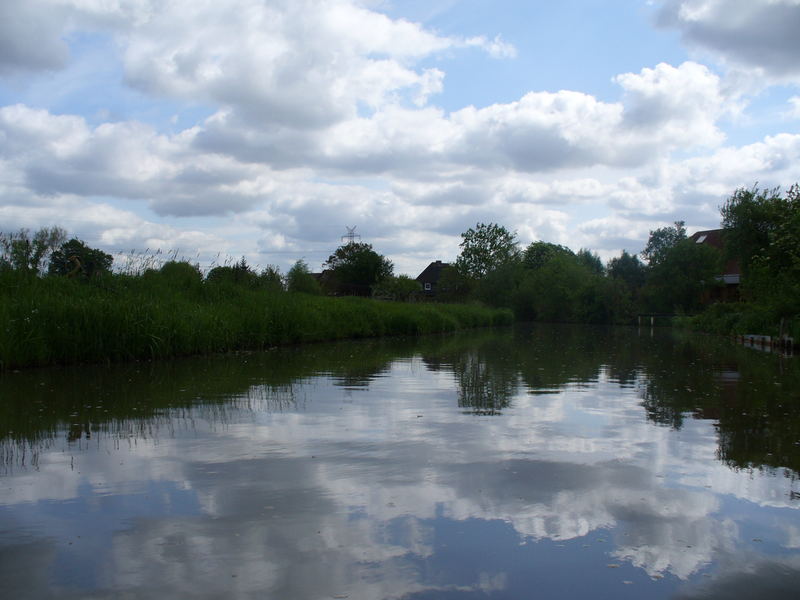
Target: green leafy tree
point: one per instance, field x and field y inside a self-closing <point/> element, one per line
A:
<point x="661" y="241"/>
<point x="538" y="254"/>
<point x="749" y="218"/>
<point x="498" y="287"/>
<point x="683" y="273"/>
<point x="400" y="288"/>
<point x="299" y="279"/>
<point x="271" y="279"/>
<point x="181" y="274"/>
<point x="485" y="248"/>
<point x="239" y="273"/>
<point x="26" y="253"/>
<point x="591" y="261"/>
<point x="762" y="231"/>
<point x="627" y="268"/>
<point x="356" y="268"/>
<point x="453" y="286"/>
<point x="75" y="259"/>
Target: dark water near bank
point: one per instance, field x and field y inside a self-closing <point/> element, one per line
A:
<point x="544" y="463"/>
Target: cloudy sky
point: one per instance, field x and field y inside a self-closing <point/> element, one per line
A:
<point x="264" y="127"/>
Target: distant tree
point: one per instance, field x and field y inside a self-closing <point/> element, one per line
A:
<point x="762" y="231"/>
<point x="75" y="259"/>
<point x="271" y="279"/>
<point x="300" y="279"/>
<point x="750" y="220"/>
<point x="661" y="241"/>
<point x="453" y="286"/>
<point x="627" y="268"/>
<point x="239" y="273"/>
<point x="498" y="287"/>
<point x="24" y="253"/>
<point x="399" y="288"/>
<point x="683" y="272"/>
<point x="537" y="254"/>
<point x="485" y="248"/>
<point x="355" y="268"/>
<point x="181" y="274"/>
<point x="590" y="260"/>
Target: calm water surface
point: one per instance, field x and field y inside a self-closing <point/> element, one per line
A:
<point x="543" y="463"/>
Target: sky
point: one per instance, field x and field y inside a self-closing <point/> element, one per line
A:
<point x="215" y="129"/>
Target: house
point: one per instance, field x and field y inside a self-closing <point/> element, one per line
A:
<point x="429" y="278"/>
<point x="731" y="271"/>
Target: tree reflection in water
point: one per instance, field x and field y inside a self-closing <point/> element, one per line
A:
<point x="752" y="397"/>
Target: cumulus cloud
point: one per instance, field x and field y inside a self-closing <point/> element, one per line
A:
<point x="371" y="146"/>
<point x="30" y="37"/>
<point x="678" y="104"/>
<point x="302" y="64"/>
<point x="794" y="111"/>
<point x="744" y="33"/>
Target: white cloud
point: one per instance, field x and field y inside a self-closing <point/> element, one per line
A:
<point x="679" y="105"/>
<point x="794" y="111"/>
<point x="755" y="35"/>
<point x="30" y="37"/>
<point x="371" y="146"/>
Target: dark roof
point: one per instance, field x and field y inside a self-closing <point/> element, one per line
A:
<point x="432" y="272"/>
<point x="712" y="237"/>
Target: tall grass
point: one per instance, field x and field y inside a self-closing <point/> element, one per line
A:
<point x="56" y="320"/>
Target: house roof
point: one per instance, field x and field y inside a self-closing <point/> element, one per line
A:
<point x="712" y="237"/>
<point x="432" y="272"/>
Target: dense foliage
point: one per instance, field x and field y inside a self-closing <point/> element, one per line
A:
<point x="355" y="268"/>
<point x="59" y="301"/>
<point x="549" y="282"/>
<point x="68" y="316"/>
<point x="75" y="259"/>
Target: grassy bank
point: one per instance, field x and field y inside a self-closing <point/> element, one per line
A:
<point x="56" y="320"/>
<point x="744" y="318"/>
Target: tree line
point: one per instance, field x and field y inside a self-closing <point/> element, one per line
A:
<point x="541" y="281"/>
<point x="674" y="276"/>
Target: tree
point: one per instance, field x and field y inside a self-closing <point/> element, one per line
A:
<point x="562" y="289"/>
<point x="537" y="254"/>
<point x="299" y="279"/>
<point x="399" y="288"/>
<point x="486" y="248"/>
<point x="627" y="268"/>
<point x="75" y="259"/>
<point x="271" y="279"/>
<point x="181" y="274"/>
<point x="590" y="260"/>
<point x="683" y="272"/>
<point x="356" y="268"/>
<point x="239" y="273"/>
<point x="453" y="286"/>
<point x="750" y="219"/>
<point x="762" y="231"/>
<point x="29" y="254"/>
<point x="661" y="241"/>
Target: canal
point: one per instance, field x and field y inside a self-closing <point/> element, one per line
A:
<point x="543" y="462"/>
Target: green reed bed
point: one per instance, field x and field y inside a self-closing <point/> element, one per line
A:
<point x="55" y="320"/>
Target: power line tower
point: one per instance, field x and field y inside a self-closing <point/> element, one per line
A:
<point x="351" y="236"/>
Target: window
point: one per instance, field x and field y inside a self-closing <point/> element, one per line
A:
<point x="427" y="287"/>
<point x="701" y="239"/>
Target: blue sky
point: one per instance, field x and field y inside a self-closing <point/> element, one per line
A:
<point x="264" y="127"/>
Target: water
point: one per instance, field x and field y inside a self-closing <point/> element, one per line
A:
<point x="545" y="463"/>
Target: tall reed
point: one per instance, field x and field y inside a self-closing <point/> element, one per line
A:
<point x="56" y="320"/>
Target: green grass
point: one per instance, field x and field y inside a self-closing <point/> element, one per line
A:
<point x="55" y="320"/>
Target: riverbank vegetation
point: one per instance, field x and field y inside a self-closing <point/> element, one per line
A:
<point x="61" y="302"/>
<point x="677" y="275"/>
<point x="48" y="316"/>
